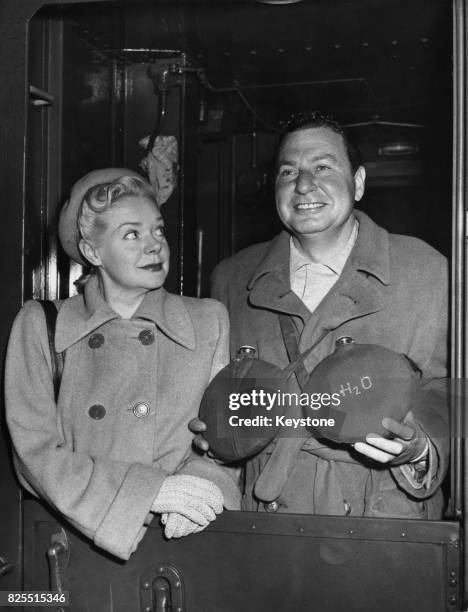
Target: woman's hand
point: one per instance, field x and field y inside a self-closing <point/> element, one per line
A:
<point x="178" y="526"/>
<point x="197" y="499"/>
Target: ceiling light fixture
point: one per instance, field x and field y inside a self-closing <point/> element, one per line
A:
<point x="398" y="148"/>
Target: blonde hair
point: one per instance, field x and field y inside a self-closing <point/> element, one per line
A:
<point x="101" y="198"/>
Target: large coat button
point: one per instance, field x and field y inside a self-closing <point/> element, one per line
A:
<point x="141" y="410"/>
<point x="96" y="340"/>
<point x="97" y="412"/>
<point x="146" y="337"/>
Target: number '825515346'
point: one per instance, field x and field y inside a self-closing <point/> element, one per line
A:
<point x="34" y="598"/>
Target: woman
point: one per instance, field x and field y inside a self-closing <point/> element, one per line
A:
<point x="115" y="448"/>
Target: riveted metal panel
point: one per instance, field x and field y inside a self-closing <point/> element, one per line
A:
<point x="262" y="562"/>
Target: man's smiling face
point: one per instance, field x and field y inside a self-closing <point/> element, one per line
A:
<point x="315" y="185"/>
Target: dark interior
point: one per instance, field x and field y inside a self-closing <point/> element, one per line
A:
<point x="233" y="72"/>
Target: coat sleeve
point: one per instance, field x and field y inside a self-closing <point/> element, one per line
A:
<point x="432" y="409"/>
<point x="225" y="477"/>
<point x="107" y="500"/>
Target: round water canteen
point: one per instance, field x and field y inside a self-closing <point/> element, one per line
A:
<point x="240" y="419"/>
<point x="365" y="383"/>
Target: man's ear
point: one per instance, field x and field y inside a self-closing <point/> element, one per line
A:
<point x="359" y="183"/>
<point x="89" y="253"/>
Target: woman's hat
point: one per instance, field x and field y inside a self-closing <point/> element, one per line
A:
<point x="68" y="221"/>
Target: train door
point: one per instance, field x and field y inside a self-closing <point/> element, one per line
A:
<point x="86" y="83"/>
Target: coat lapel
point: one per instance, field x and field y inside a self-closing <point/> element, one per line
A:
<point x="355" y="295"/>
<point x="273" y="293"/>
<point x="270" y="286"/>
<point x="170" y="315"/>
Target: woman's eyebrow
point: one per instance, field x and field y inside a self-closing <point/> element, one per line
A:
<point x="158" y="221"/>
<point x="129" y="223"/>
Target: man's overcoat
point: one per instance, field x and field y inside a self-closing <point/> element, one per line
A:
<point x="392" y="292"/>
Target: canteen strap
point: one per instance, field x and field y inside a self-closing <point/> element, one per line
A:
<point x="291" y="341"/>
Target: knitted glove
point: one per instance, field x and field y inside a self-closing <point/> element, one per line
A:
<point x="198" y="499"/>
<point x="178" y="525"/>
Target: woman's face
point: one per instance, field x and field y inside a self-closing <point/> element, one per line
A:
<point x="131" y="251"/>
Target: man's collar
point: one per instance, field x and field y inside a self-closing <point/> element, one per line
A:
<point x="335" y="262"/>
<point x="81" y="315"/>
<point x="370" y="253"/>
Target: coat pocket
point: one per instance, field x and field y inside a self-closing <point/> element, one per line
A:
<point x="390" y="502"/>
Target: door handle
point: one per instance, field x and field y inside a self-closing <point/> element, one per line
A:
<point x="161" y="589"/>
<point x="162" y="595"/>
<point x="57" y="555"/>
<point x="6" y="567"/>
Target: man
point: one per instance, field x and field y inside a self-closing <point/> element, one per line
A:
<point x="334" y="273"/>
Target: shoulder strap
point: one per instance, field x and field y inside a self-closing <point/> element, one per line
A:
<point x="291" y="341"/>
<point x="283" y="458"/>
<point x="50" y="312"/>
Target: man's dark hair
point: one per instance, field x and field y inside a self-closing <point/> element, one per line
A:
<point x="316" y="119"/>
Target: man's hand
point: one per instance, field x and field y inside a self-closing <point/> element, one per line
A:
<point x="198" y="427"/>
<point x="408" y="445"/>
